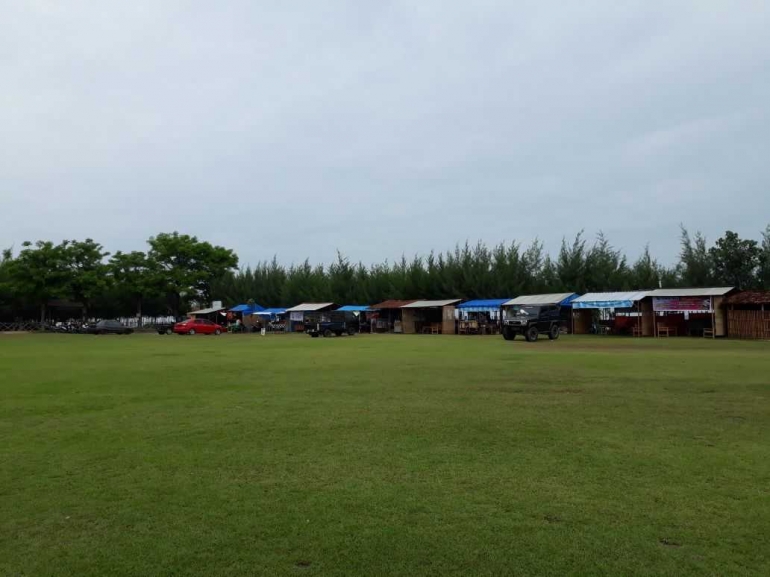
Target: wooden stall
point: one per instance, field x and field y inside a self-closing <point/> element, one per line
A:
<point x="242" y="317"/>
<point x="480" y="316"/>
<point x="387" y="316"/>
<point x="429" y="317"/>
<point x="690" y="311"/>
<point x="748" y="315"/>
<point x="216" y="313"/>
<point x="617" y="313"/>
<point x="295" y="322"/>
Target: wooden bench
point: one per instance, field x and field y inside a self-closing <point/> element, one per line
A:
<point x="708" y="333"/>
<point x="636" y="331"/>
<point x="666" y="331"/>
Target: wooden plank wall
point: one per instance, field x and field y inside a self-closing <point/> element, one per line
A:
<point x="742" y="324"/>
<point x="582" y="320"/>
<point x="407" y="321"/>
<point x="448" y="321"/>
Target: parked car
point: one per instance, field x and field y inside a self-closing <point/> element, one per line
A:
<point x="168" y="328"/>
<point x="198" y="326"/>
<point x="328" y="324"/>
<point x="530" y="321"/>
<point x="109" y="328"/>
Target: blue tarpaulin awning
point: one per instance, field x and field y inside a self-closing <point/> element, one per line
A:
<point x="246" y="309"/>
<point x="354" y="309"/>
<point x="610" y="300"/>
<point x="482" y="305"/>
<point x="269" y="312"/>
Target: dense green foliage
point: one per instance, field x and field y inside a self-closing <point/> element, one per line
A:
<point x="178" y="269"/>
<point x="505" y="270"/>
<point x="383" y="455"/>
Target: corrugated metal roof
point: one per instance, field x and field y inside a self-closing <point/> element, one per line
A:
<point x="307" y="307"/>
<point x="206" y="311"/>
<point x="431" y="304"/>
<point x="749" y="298"/>
<point x="354" y="308"/>
<point x="482" y="304"/>
<point x="390" y="304"/>
<point x="544" y="299"/>
<point x="692" y="292"/>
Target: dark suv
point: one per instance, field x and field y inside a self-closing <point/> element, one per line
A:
<point x="328" y="324"/>
<point x="531" y="320"/>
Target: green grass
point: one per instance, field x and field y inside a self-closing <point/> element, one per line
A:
<point x="389" y="455"/>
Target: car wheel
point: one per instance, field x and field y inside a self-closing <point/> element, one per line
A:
<point x="553" y="334"/>
<point x="327" y="333"/>
<point x="169" y="331"/>
<point x="338" y="333"/>
<point x="532" y="334"/>
<point x="191" y="332"/>
<point x="314" y="335"/>
<point x="351" y="332"/>
<point x="508" y="334"/>
<point x="217" y="332"/>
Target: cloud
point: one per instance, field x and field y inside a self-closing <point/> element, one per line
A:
<point x="383" y="128"/>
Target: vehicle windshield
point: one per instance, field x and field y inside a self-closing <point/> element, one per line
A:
<point x="522" y="311"/>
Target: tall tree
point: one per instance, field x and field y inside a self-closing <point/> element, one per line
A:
<point x="88" y="273"/>
<point x="735" y="260"/>
<point x="6" y="291"/>
<point x="695" y="263"/>
<point x="137" y="276"/>
<point x="188" y="267"/>
<point x="40" y="273"/>
<point x="605" y="267"/>
<point x="763" y="273"/>
<point x="571" y="264"/>
<point x="646" y="272"/>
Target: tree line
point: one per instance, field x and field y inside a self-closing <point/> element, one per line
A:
<point x="175" y="270"/>
<point x="179" y="270"/>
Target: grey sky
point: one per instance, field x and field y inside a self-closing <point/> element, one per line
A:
<point x="382" y="128"/>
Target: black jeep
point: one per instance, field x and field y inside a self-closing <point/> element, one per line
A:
<point x="328" y="324"/>
<point x="531" y="320"/>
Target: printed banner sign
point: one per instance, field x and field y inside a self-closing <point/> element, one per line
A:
<point x="298" y="316"/>
<point x="695" y="304"/>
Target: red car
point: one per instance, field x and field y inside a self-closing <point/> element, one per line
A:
<point x="198" y="326"/>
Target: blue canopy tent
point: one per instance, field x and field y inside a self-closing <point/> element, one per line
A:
<point x="482" y="305"/>
<point x="270" y="312"/>
<point x="241" y="314"/>
<point x="246" y="309"/>
<point x="479" y="316"/>
<point x="269" y="319"/>
<point x="358" y="314"/>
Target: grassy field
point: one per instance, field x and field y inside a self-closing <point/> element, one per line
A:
<point x="387" y="455"/>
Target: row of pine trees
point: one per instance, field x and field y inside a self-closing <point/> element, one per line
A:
<point x="480" y="271"/>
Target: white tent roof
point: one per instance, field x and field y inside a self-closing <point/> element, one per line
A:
<point x="307" y="307"/>
<point x="546" y="299"/>
<point x="612" y="296"/>
<point x="206" y="311"/>
<point x="692" y="292"/>
<point x="430" y="304"/>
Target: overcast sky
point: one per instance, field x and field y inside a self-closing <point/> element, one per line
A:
<point x="381" y="128"/>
